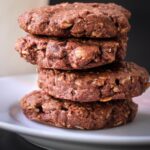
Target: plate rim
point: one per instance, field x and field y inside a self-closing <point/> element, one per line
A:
<point x="116" y="140"/>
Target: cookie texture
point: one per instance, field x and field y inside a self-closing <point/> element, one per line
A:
<point x="69" y="54"/>
<point x="40" y="107"/>
<point x="121" y="80"/>
<point x="95" y="20"/>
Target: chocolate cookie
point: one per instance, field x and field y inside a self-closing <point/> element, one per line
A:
<point x="115" y="81"/>
<point x="68" y="54"/>
<point x="95" y="20"/>
<point x="40" y="107"/>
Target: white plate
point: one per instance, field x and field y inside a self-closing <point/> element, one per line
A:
<point x="12" y="119"/>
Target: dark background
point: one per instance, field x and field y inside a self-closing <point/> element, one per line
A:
<point x="138" y="51"/>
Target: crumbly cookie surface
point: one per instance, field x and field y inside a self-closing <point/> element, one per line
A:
<point x="95" y="20"/>
<point x="69" y="54"/>
<point x="121" y="80"/>
<point x="40" y="107"/>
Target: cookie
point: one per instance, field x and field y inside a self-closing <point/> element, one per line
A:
<point x="69" y="54"/>
<point x="114" y="81"/>
<point x="40" y="107"/>
<point x="94" y="20"/>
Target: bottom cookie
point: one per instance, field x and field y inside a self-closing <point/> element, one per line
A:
<point x="40" y="107"/>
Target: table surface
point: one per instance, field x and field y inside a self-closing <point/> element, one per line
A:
<point x="12" y="141"/>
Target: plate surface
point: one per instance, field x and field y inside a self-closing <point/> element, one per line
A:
<point x="12" y="119"/>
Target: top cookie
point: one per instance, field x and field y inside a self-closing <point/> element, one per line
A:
<point x="94" y="20"/>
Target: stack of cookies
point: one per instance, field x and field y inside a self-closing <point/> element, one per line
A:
<point x="79" y="49"/>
